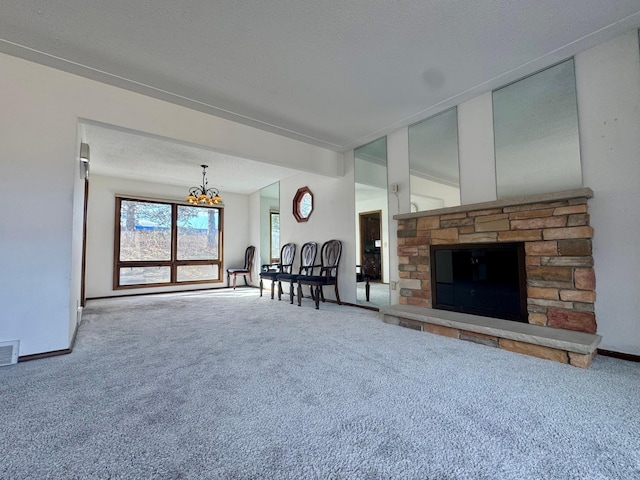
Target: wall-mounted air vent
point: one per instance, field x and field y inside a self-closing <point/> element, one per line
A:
<point x="9" y="352"/>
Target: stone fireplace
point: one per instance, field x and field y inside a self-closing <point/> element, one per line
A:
<point x="480" y="278"/>
<point x="560" y="278"/>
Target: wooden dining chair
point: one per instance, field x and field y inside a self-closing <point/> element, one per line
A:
<point x="328" y="275"/>
<point x="307" y="263"/>
<point x="247" y="269"/>
<point x="271" y="271"/>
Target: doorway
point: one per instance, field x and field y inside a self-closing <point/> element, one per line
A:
<point x="371" y="244"/>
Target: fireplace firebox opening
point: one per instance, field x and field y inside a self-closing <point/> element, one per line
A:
<point x="481" y="279"/>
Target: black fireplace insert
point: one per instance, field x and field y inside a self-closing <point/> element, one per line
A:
<point x="480" y="279"/>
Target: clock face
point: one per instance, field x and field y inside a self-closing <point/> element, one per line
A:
<point x="303" y="204"/>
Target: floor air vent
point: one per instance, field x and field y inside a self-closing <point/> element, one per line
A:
<point x="9" y="352"/>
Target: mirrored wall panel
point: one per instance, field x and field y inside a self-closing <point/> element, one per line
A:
<point x="536" y="134"/>
<point x="372" y="226"/>
<point x="433" y="162"/>
<point x="270" y="224"/>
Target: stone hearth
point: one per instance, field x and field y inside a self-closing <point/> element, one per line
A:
<point x="555" y="230"/>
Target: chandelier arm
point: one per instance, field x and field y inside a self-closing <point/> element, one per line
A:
<point x="209" y="195"/>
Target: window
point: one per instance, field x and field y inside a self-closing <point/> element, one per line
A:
<point x="161" y="243"/>
<point x="536" y="134"/>
<point x="275" y="236"/>
<point x="433" y="162"/>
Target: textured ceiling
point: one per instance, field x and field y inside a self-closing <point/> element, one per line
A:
<point x="127" y="154"/>
<point x="333" y="73"/>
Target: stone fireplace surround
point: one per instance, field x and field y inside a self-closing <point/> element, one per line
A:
<point x="560" y="277"/>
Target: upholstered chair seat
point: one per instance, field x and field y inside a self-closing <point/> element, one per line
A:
<point x="328" y="274"/>
<point x="270" y="272"/>
<point x="307" y="260"/>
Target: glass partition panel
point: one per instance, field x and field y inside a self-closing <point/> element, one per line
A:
<point x="433" y="162"/>
<point x="372" y="226"/>
<point x="270" y="224"/>
<point x="536" y="134"/>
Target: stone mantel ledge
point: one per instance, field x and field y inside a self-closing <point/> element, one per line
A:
<point x="568" y="340"/>
<point x="506" y="202"/>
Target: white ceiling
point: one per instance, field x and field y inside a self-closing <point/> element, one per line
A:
<point x="128" y="154"/>
<point x="333" y="73"/>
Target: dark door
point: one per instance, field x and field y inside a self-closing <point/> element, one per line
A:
<point x="371" y="243"/>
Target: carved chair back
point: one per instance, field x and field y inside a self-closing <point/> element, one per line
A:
<point x="330" y="257"/>
<point x="308" y="258"/>
<point x="249" y="254"/>
<point x="287" y="254"/>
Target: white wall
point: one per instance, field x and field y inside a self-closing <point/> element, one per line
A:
<point x="476" y="150"/>
<point x="101" y="221"/>
<point x="398" y="173"/>
<point x="608" y="87"/>
<point x="39" y="113"/>
<point x="332" y="218"/>
<point x="38" y="157"/>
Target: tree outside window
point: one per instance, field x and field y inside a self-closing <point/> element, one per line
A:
<point x="275" y="236"/>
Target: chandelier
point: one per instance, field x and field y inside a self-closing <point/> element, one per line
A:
<point x="202" y="194"/>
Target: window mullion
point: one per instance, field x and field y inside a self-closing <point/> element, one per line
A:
<point x="174" y="243"/>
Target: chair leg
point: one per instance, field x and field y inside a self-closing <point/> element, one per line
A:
<point x="245" y="279"/>
<point x="318" y="294"/>
<point x="273" y="284"/>
<point x="234" y="280"/>
<point x="228" y="281"/>
<point x="291" y="292"/>
<point x="279" y="290"/>
<point x="260" y="286"/>
<point x="299" y="294"/>
<point x="338" y="295"/>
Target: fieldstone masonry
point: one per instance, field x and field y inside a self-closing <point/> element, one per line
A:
<point x="555" y="229"/>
